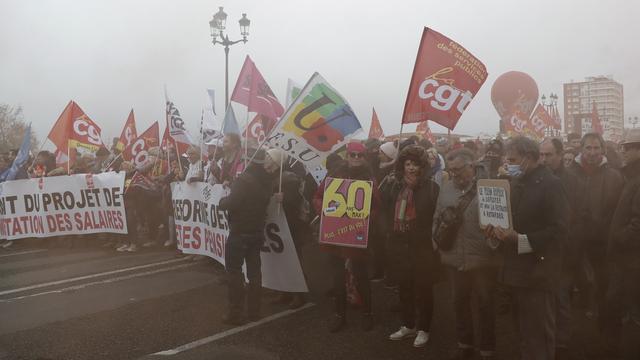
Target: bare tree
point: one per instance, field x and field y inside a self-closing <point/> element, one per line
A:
<point x="12" y="127"/>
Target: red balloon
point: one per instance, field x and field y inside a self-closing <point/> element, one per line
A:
<point x="514" y="91"/>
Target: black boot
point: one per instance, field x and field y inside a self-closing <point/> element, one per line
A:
<point x="299" y="300"/>
<point x="337" y="323"/>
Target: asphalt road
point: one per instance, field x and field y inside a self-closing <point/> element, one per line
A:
<point x="89" y="302"/>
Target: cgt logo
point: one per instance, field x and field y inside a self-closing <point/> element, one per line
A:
<point x="139" y="152"/>
<point x="444" y="96"/>
<point x="83" y="128"/>
<point x="128" y="135"/>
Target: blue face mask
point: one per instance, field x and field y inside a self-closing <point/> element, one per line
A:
<point x="514" y="170"/>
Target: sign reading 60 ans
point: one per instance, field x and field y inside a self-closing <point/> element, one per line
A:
<point x="346" y="209"/>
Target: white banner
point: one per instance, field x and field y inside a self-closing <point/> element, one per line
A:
<point x="62" y="205"/>
<point x="202" y="229"/>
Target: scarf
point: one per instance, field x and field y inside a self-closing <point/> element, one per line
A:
<point x="405" y="209"/>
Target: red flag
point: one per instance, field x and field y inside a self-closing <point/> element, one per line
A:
<point x="517" y="124"/>
<point x="257" y="129"/>
<point x="140" y="181"/>
<point x="74" y="128"/>
<point x="254" y="92"/>
<point x="445" y="79"/>
<point x="138" y="151"/>
<point x="375" y="131"/>
<point x="540" y="120"/>
<point x="128" y="133"/>
<point x="424" y="129"/>
<point x="596" y="124"/>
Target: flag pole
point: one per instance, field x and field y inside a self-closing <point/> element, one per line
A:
<point x="69" y="157"/>
<point x="201" y="142"/>
<point x="280" y="182"/>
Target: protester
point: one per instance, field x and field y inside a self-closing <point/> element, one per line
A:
<point x="101" y="160"/>
<point x="247" y="206"/>
<point x="387" y="159"/>
<point x="568" y="156"/>
<point x="532" y="249"/>
<point x="472" y="263"/>
<point x="411" y="202"/>
<point x="195" y="172"/>
<point x="623" y="252"/>
<point x="356" y="167"/>
<point x="492" y="159"/>
<point x="232" y="163"/>
<point x="551" y="151"/>
<point x="603" y="187"/>
<point x="574" y="141"/>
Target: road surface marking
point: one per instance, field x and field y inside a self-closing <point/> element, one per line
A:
<point x="86" y="277"/>
<point x="224" y="334"/>
<point x="106" y="281"/>
<point x="24" y="253"/>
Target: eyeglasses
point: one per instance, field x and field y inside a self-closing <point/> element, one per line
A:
<point x="355" y="155"/>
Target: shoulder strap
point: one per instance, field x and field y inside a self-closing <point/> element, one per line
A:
<point x="466" y="199"/>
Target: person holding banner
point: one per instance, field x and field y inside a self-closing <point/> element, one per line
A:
<point x="247" y="206"/>
<point x="411" y="202"/>
<point x="232" y="163"/>
<point x="532" y="249"/>
<point x="356" y="167"/>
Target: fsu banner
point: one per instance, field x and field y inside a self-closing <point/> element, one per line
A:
<point x="62" y="205"/>
<point x="202" y="229"/>
<point x="346" y="210"/>
<point x="138" y="151"/>
<point x="128" y="134"/>
<point x="74" y="129"/>
<point x="445" y="79"/>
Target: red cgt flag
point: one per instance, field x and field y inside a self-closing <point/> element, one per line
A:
<point x="540" y="120"/>
<point x="128" y="133"/>
<point x="424" y="130"/>
<point x="76" y="130"/>
<point x="253" y="91"/>
<point x="138" y="151"/>
<point x="375" y="131"/>
<point x="445" y="79"/>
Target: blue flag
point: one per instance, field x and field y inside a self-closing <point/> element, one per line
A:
<point x="21" y="158"/>
<point x="230" y="125"/>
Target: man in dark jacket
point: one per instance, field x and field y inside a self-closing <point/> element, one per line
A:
<point x="624" y="251"/>
<point x="247" y="208"/>
<point x="551" y="151"/>
<point x="532" y="250"/>
<point x="602" y="191"/>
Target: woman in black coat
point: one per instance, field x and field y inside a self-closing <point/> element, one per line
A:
<point x="410" y="201"/>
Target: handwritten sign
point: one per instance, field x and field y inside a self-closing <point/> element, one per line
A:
<point x="494" y="203"/>
<point x="346" y="209"/>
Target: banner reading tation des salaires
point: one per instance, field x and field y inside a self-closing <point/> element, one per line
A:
<point x="62" y="205"/>
<point x="346" y="210"/>
<point x="445" y="79"/>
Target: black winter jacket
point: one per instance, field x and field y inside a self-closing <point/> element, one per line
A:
<point x="624" y="239"/>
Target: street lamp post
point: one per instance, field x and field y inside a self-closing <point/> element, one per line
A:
<point x="217" y="26"/>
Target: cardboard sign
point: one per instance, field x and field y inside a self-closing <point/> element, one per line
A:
<point x="346" y="210"/>
<point x="494" y="203"/>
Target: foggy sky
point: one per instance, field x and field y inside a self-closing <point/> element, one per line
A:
<point x="114" y="55"/>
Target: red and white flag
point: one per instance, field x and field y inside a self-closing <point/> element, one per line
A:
<point x="445" y="79"/>
<point x="176" y="126"/>
<point x="128" y="134"/>
<point x="540" y="120"/>
<point x="138" y="151"/>
<point x="375" y="131"/>
<point x="424" y="130"/>
<point x="253" y="91"/>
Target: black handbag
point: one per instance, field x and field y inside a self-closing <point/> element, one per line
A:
<point x="450" y="220"/>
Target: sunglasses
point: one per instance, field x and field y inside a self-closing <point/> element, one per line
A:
<point x="355" y="155"/>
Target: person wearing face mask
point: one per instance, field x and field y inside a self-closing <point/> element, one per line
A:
<point x="247" y="207"/>
<point x="532" y="249"/>
<point x="472" y="264"/>
<point x="410" y="205"/>
<point x="356" y="167"/>
<point x="603" y="186"/>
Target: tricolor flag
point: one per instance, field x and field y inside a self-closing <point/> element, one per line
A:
<point x="375" y="131"/>
<point x="253" y="91"/>
<point x="317" y="123"/>
<point x="128" y="134"/>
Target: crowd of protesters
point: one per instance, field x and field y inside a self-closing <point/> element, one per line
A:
<point x="575" y="206"/>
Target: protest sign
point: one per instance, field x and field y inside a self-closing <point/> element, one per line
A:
<point x="202" y="229"/>
<point x="445" y="79"/>
<point x="63" y="205"/>
<point x="346" y="210"/>
<point x="494" y="205"/>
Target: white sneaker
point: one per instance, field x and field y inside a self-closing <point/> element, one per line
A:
<point x="421" y="339"/>
<point x="132" y="248"/>
<point x="123" y="248"/>
<point x="7" y="244"/>
<point x="168" y="243"/>
<point x="403" y="333"/>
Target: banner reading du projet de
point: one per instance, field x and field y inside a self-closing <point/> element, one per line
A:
<point x="62" y="205"/>
<point x="202" y="229"/>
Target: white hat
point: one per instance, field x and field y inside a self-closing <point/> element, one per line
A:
<point x="389" y="149"/>
<point x="277" y="155"/>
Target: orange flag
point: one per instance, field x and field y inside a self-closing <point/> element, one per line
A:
<point x="128" y="134"/>
<point x="76" y="130"/>
<point x="375" y="131"/>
